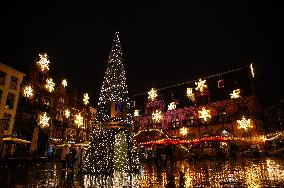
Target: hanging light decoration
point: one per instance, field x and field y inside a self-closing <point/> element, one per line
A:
<point x="157" y="116"/>
<point x="200" y="85"/>
<point x="79" y="120"/>
<point x="28" y="91"/>
<point x="244" y="123"/>
<point x="190" y="94"/>
<point x="43" y="62"/>
<point x="235" y="94"/>
<point x="172" y="106"/>
<point x="86" y="98"/>
<point x="67" y="113"/>
<point x="64" y="83"/>
<point x="204" y="114"/>
<point x="43" y="120"/>
<point x="252" y="70"/>
<point x="49" y="85"/>
<point x="183" y="131"/>
<point x="152" y="94"/>
<point x="136" y="113"/>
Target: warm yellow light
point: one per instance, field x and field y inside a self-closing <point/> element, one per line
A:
<point x="252" y="70"/>
<point x="172" y="106"/>
<point x="244" y="123"/>
<point x="64" y="82"/>
<point x="67" y="113"/>
<point x="190" y="94"/>
<point x="204" y="114"/>
<point x="28" y="91"/>
<point x="79" y="120"/>
<point x="200" y="85"/>
<point x="49" y="85"/>
<point x="157" y="116"/>
<point x="43" y="62"/>
<point x="86" y="98"/>
<point x="152" y="94"/>
<point x="136" y="113"/>
<point x="183" y="131"/>
<point x="235" y="94"/>
<point x="43" y="120"/>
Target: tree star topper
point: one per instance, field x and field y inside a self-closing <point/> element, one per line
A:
<point x="43" y="120"/>
<point x="79" y="120"/>
<point x="172" y="106"/>
<point x="201" y="86"/>
<point x="152" y="94"/>
<point x="86" y="98"/>
<point x="43" y="62"/>
<point x="235" y="94"/>
<point x="244" y="123"/>
<point x="64" y="82"/>
<point x="204" y="114"/>
<point x="28" y="91"/>
<point x="49" y="85"/>
<point x="157" y="116"/>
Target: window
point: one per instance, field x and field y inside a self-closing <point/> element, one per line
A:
<point x="10" y="101"/>
<point x="2" y="78"/>
<point x="13" y="83"/>
<point x="6" y="120"/>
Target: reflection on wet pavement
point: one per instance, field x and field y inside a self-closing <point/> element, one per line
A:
<point x="242" y="172"/>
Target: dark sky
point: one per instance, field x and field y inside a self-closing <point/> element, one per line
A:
<point x="163" y="43"/>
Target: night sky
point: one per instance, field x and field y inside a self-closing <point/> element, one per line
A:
<point x="163" y="43"/>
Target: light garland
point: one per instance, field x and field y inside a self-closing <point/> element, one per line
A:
<point x="49" y="85"/>
<point x="43" y="62"/>
<point x="172" y="106"/>
<point x="157" y="116"/>
<point x="152" y="94"/>
<point x="64" y="83"/>
<point x="28" y="91"/>
<point x="86" y="99"/>
<point x="204" y="114"/>
<point x="43" y="120"/>
<point x="235" y="94"/>
<point x="200" y="85"/>
<point x="244" y="123"/>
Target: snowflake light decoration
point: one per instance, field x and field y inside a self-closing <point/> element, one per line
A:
<point x="49" y="85"/>
<point x="183" y="131"/>
<point x="235" y="94"/>
<point x="28" y="91"/>
<point x="252" y="70"/>
<point x="79" y="120"/>
<point x="172" y="106"/>
<point x="43" y="62"/>
<point x="200" y="85"/>
<point x="64" y="83"/>
<point x="136" y="113"/>
<point x="157" y="116"/>
<point x="204" y="114"/>
<point x="43" y="120"/>
<point x="86" y="98"/>
<point x="67" y="113"/>
<point x="152" y="94"/>
<point x="244" y="123"/>
<point x="190" y="94"/>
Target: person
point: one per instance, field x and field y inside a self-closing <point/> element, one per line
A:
<point x="71" y="157"/>
<point x="64" y="154"/>
<point x="79" y="159"/>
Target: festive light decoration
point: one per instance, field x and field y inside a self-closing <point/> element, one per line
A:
<point x="235" y="94"/>
<point x="43" y="62"/>
<point x="152" y="94"/>
<point x="79" y="120"/>
<point x="64" y="83"/>
<point x="190" y="94"/>
<point x="50" y="85"/>
<point x="172" y="106"/>
<point x="86" y="99"/>
<point x="204" y="114"/>
<point x="157" y="116"/>
<point x="67" y="113"/>
<point x="201" y="86"/>
<point x="252" y="70"/>
<point x="28" y="91"/>
<point x="183" y="131"/>
<point x="43" y="120"/>
<point x="136" y="113"/>
<point x="244" y="123"/>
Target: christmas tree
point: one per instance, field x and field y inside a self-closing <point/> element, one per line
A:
<point x="112" y="149"/>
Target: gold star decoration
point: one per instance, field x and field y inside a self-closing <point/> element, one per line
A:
<point x="152" y="94"/>
<point x="49" y="85"/>
<point x="28" y="91"/>
<point x="43" y="120"/>
<point x="200" y="85"/>
<point x="43" y="62"/>
<point x="157" y="116"/>
<point x="244" y="123"/>
<point x="172" y="106"/>
<point x="64" y="82"/>
<point x="204" y="114"/>
<point x="235" y="94"/>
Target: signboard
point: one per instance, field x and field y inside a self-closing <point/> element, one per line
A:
<point x="118" y="109"/>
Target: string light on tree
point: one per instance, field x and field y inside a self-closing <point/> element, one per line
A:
<point x="49" y="85"/>
<point x="235" y="94"/>
<point x="244" y="123"/>
<point x="252" y="70"/>
<point x="28" y="91"/>
<point x="172" y="106"/>
<point x="67" y="113"/>
<point x="64" y="83"/>
<point x="200" y="85"/>
<point x="43" y="120"/>
<point x="157" y="116"/>
<point x="204" y="114"/>
<point x="86" y="99"/>
<point x="152" y="94"/>
<point x="79" y="120"/>
<point x="183" y="131"/>
<point x="136" y="113"/>
<point x="43" y="62"/>
<point x="190" y="94"/>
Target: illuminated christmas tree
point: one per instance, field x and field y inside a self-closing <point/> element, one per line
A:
<point x="112" y="147"/>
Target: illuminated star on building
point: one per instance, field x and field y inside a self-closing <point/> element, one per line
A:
<point x="190" y="94"/>
<point x="244" y="123"/>
<point x="67" y="113"/>
<point x="183" y="131"/>
<point x="136" y="113"/>
<point x="172" y="106"/>
<point x="152" y="94"/>
<point x="28" y="91"/>
<point x="43" y="120"/>
<point x="49" y="85"/>
<point x="204" y="114"/>
<point x="79" y="120"/>
<point x="157" y="116"/>
<point x="43" y="62"/>
<point x="235" y="94"/>
<point x="86" y="98"/>
<point x="200" y="85"/>
<point x="64" y="82"/>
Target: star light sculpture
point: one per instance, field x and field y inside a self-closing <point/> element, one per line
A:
<point x="86" y="98"/>
<point x="79" y="120"/>
<point x="136" y="113"/>
<point x="43" y="62"/>
<point x="28" y="91"/>
<point x="152" y="94"/>
<point x="204" y="114"/>
<point x="183" y="131"/>
<point x="67" y="113"/>
<point x="49" y="85"/>
<point x="244" y="123"/>
<point x="200" y="85"/>
<point x="157" y="116"/>
<point x="43" y="120"/>
<point x="172" y="106"/>
<point x="190" y="94"/>
<point x="64" y="83"/>
<point x="235" y="94"/>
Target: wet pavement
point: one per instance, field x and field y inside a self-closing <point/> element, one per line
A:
<point x="241" y="172"/>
